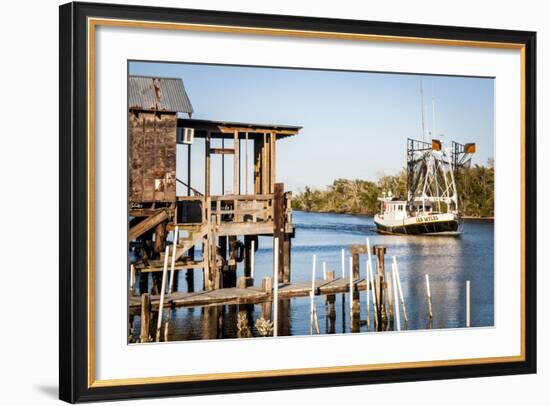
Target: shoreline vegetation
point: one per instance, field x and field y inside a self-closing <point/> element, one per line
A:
<point x="475" y="187"/>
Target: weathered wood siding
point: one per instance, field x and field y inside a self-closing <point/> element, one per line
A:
<point x="152" y="157"/>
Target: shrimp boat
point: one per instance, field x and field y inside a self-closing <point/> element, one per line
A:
<point x="431" y="206"/>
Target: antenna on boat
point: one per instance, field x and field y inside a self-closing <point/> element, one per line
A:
<point x="422" y="110"/>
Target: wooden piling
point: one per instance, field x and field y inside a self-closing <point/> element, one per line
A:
<point x="267" y="287"/>
<point x="380" y="251"/>
<point x="246" y="163"/>
<point x="367" y="293"/>
<point x="389" y="290"/>
<point x="287" y="252"/>
<point x="275" y="287"/>
<point x="351" y="289"/>
<point x="145" y="317"/>
<point x="355" y="268"/>
<point x="279" y="226"/>
<point x="247" y="254"/>
<point x="252" y="253"/>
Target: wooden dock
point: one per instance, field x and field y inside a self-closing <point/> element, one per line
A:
<point x="249" y="295"/>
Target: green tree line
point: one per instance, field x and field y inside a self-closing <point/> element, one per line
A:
<point x="475" y="189"/>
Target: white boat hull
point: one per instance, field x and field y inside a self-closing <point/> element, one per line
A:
<point x="431" y="224"/>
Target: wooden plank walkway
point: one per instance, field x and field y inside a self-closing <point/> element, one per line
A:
<point x="250" y="295"/>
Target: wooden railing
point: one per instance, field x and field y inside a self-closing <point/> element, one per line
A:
<point x="239" y="208"/>
<point x="242" y="208"/>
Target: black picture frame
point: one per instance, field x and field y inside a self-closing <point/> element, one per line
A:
<point x="74" y="385"/>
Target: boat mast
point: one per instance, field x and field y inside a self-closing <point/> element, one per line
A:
<point x="422" y="111"/>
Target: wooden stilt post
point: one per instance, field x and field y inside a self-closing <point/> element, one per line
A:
<point x="267" y="287"/>
<point x="389" y="289"/>
<point x="207" y="166"/>
<point x="275" y="288"/>
<point x="380" y="251"/>
<point x="372" y="285"/>
<point x="145" y="317"/>
<point x="367" y="293"/>
<point x="355" y="268"/>
<point x="246" y="163"/>
<point x="236" y="167"/>
<point x="287" y="251"/>
<point x="278" y="227"/>
<point x="162" y="289"/>
<point x="252" y="253"/>
<point x="351" y="290"/>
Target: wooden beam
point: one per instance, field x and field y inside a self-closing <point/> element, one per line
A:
<point x="246" y="163"/>
<point x="236" y="168"/>
<point x="145" y="225"/>
<point x="222" y="151"/>
<point x="229" y="129"/>
<point x="264" y="168"/>
<point x="207" y="165"/>
<point x="272" y="162"/>
<point x="257" y="165"/>
<point x="278" y="227"/>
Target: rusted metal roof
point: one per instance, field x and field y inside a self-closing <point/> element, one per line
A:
<point x="158" y="94"/>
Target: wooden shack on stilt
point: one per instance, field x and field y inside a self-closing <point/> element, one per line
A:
<point x="227" y="224"/>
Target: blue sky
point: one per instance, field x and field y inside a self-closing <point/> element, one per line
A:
<point x="355" y="124"/>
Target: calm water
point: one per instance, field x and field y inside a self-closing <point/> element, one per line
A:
<point x="450" y="262"/>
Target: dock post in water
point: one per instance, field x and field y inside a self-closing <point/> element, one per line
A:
<point x="350" y="292"/>
<point x="252" y="253"/>
<point x="162" y="289"/>
<point x="145" y="317"/>
<point x="468" y="324"/>
<point x="267" y="287"/>
<point x="275" y="286"/>
<point x="428" y="291"/>
<point x="367" y="293"/>
<point x="380" y="251"/>
<point x="370" y="280"/>
<point x="390" y="291"/>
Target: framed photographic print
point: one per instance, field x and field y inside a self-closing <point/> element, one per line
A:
<point x="256" y="202"/>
